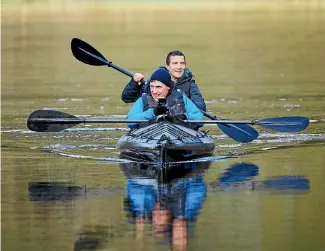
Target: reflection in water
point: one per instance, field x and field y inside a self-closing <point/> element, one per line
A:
<point x="55" y="191"/>
<point x="49" y="191"/>
<point x="283" y="183"/>
<point x="91" y="238"/>
<point x="240" y="175"/>
<point x="169" y="200"/>
<point x="236" y="174"/>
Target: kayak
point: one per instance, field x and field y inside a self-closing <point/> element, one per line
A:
<point x="165" y="141"/>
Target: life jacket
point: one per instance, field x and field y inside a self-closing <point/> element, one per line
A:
<point x="184" y="83"/>
<point x="174" y="102"/>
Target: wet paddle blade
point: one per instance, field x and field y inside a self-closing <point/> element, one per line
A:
<point x="240" y="132"/>
<point x="50" y="126"/>
<point x="86" y="53"/>
<point x="284" y="124"/>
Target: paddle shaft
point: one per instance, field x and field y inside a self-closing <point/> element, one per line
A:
<point x="95" y="120"/>
<point x="82" y="120"/>
<point x="55" y="121"/>
<point x="208" y="115"/>
<point x="110" y="64"/>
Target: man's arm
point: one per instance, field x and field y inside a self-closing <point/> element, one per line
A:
<point x="196" y="96"/>
<point x="133" y="89"/>
<point x="137" y="112"/>
<point x="132" y="92"/>
<point x="192" y="111"/>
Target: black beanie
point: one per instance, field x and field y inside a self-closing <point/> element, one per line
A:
<point x="163" y="76"/>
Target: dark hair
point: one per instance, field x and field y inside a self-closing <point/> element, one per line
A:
<point x="174" y="53"/>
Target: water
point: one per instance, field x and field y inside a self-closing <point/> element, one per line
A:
<point x="251" y="61"/>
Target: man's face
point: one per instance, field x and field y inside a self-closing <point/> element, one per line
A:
<point x="158" y="90"/>
<point x="176" y="67"/>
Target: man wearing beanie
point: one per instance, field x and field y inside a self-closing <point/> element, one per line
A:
<point x="177" y="104"/>
<point x="180" y="75"/>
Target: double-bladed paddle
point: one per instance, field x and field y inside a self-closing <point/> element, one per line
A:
<point x="56" y="121"/>
<point x="89" y="55"/>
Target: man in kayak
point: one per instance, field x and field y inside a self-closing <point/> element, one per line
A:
<point x="176" y="104"/>
<point x="180" y="75"/>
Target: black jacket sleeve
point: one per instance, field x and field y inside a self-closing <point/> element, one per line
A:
<point x="132" y="92"/>
<point x="196" y="96"/>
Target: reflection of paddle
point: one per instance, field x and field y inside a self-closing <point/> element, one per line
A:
<point x="55" y="191"/>
<point x="281" y="183"/>
<point x="55" y="121"/>
<point x="241" y="175"/>
<point x="51" y="191"/>
<point x="89" y="55"/>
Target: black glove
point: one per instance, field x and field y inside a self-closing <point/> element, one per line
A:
<point x="160" y="109"/>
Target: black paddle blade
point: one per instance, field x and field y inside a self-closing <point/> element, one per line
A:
<point x="49" y="126"/>
<point x="240" y="132"/>
<point x="285" y="124"/>
<point x="87" y="54"/>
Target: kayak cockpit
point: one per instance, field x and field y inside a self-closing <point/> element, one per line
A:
<point x="166" y="141"/>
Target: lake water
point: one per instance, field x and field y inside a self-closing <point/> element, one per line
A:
<point x="70" y="190"/>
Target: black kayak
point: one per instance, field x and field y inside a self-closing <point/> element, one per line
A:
<point x="165" y="141"/>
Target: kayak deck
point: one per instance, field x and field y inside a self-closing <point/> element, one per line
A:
<point x="165" y="141"/>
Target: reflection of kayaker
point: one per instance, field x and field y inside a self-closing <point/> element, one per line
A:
<point x="184" y="197"/>
<point x="169" y="207"/>
<point x="171" y="202"/>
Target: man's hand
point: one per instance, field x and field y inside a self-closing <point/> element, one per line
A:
<point x="138" y="77"/>
<point x="181" y="116"/>
<point x="160" y="109"/>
